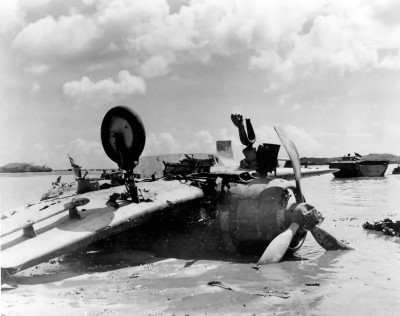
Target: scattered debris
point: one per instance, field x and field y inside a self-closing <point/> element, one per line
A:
<point x="113" y="200"/>
<point x="266" y="291"/>
<point x="189" y="263"/>
<point x="220" y="284"/>
<point x="387" y="226"/>
<point x="58" y="189"/>
<point x="8" y="286"/>
<point x="134" y="276"/>
<point x="10" y="213"/>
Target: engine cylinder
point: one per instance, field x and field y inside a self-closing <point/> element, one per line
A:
<point x="254" y="214"/>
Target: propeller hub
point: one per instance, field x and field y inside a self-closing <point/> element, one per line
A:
<point x="304" y="214"/>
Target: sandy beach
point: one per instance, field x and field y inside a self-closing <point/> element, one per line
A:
<point x="129" y="282"/>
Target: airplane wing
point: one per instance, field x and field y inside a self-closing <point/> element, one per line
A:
<point x="281" y="173"/>
<point x="58" y="233"/>
<point x="288" y="174"/>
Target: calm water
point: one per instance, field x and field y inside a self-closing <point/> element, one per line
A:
<point x="17" y="189"/>
<point x="361" y="282"/>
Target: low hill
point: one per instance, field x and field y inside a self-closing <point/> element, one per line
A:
<point x="390" y="157"/>
<point x="23" y="167"/>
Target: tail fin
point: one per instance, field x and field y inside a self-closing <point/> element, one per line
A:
<point x="76" y="168"/>
<point x="225" y="153"/>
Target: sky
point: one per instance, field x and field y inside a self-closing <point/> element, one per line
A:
<point x="327" y="71"/>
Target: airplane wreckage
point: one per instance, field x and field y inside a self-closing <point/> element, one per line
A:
<point x="255" y="206"/>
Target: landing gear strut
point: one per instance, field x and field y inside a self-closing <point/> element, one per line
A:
<point x="131" y="187"/>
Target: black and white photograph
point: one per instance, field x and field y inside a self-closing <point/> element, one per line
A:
<point x="200" y="157"/>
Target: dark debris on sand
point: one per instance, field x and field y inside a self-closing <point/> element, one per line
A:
<point x="387" y="226"/>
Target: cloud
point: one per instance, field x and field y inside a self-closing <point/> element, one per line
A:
<point x="37" y="69"/>
<point x="32" y="4"/>
<point x="288" y="40"/>
<point x="49" y="39"/>
<point x="296" y="107"/>
<point x="202" y="142"/>
<point x="35" y="88"/>
<point x="164" y="143"/>
<point x="304" y="141"/>
<point x="86" y="153"/>
<point x="309" y="53"/>
<point x="106" y="89"/>
<point x="204" y="137"/>
<point x="11" y="18"/>
<point x="155" y="66"/>
<point x="332" y="42"/>
<point x="391" y="62"/>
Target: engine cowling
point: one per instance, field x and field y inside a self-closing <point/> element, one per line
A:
<point x="254" y="214"/>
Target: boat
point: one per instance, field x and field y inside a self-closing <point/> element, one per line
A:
<point x="396" y="170"/>
<point x="355" y="166"/>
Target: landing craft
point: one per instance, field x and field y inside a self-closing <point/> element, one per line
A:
<point x="252" y="204"/>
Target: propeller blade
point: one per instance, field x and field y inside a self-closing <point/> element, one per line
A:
<point x="278" y="247"/>
<point x="327" y="241"/>
<point x="294" y="157"/>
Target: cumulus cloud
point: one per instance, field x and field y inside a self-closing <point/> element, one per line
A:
<point x="49" y="39"/>
<point x="304" y="140"/>
<point x="164" y="143"/>
<point x="84" y="146"/>
<point x="202" y="141"/>
<point x="11" y="17"/>
<point x="289" y="46"/>
<point x="204" y="137"/>
<point x="86" y="153"/>
<point x="285" y="39"/>
<point x="333" y="43"/>
<point x="105" y="89"/>
<point x="155" y="66"/>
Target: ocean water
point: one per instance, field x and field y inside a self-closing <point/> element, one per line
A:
<point x="18" y="189"/>
<point x="365" y="281"/>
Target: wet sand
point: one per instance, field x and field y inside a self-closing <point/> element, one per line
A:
<point x="114" y="279"/>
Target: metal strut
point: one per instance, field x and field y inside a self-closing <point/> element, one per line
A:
<point x="131" y="186"/>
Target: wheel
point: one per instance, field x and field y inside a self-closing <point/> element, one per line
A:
<point x="123" y="136"/>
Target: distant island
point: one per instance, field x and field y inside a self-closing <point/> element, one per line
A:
<point x="325" y="161"/>
<point x="23" y="167"/>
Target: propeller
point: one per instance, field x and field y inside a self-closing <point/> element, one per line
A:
<point x="279" y="245"/>
<point x="305" y="216"/>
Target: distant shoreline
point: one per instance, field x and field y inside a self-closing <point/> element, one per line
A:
<point x="24" y="171"/>
<point x="23" y="167"/>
